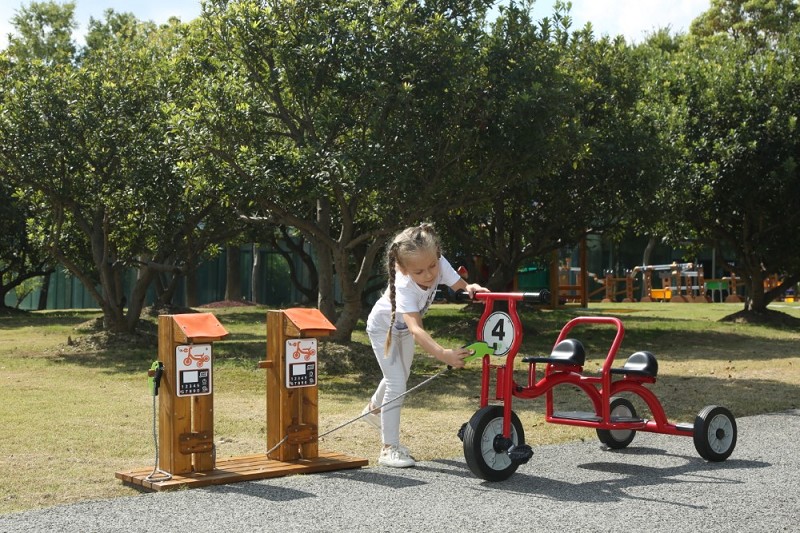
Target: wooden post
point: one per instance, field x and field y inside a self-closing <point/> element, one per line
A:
<point x="292" y="413"/>
<point x="278" y="396"/>
<point x="175" y="411"/>
<point x="629" y="287"/>
<point x="733" y="292"/>
<point x="186" y="423"/>
<point x="610" y="286"/>
<point x="647" y="279"/>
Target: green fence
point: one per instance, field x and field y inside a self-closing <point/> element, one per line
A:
<point x="274" y="286"/>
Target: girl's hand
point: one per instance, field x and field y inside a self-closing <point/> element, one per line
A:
<point x="472" y="288"/>
<point x="454" y="357"/>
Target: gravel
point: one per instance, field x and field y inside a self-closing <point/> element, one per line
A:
<point x="658" y="483"/>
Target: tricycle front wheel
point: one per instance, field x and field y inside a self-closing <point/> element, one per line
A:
<point x="482" y="434"/>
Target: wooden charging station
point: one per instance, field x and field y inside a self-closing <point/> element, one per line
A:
<point x="186" y="427"/>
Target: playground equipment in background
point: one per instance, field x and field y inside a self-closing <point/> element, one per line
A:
<point x="680" y="282"/>
<point x="568" y="283"/>
<point x="773" y="281"/>
<point x="727" y="288"/>
<point x="494" y="440"/>
<point x="610" y="283"/>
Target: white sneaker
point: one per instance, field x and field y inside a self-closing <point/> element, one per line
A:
<point x="396" y="457"/>
<point x="371" y="417"/>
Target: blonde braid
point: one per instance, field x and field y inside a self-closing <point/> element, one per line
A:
<point x="391" y="261"/>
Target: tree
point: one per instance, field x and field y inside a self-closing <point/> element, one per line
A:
<point x="562" y="141"/>
<point x="20" y="260"/>
<point x="89" y="140"/>
<point x="732" y="101"/>
<point x="44" y="32"/>
<point x="759" y="22"/>
<point x="342" y="119"/>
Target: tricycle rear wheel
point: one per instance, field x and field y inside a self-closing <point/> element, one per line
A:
<point x="480" y="443"/>
<point x="618" y="438"/>
<point x="715" y="433"/>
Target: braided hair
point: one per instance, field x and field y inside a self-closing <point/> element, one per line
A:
<point x="413" y="240"/>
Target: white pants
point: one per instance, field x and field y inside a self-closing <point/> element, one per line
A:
<point x="396" y="368"/>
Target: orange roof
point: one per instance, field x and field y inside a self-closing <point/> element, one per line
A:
<point x="305" y="319"/>
<point x="200" y="325"/>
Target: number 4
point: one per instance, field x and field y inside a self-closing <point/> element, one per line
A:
<point x="498" y="330"/>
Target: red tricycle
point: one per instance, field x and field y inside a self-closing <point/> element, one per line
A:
<point x="494" y="441"/>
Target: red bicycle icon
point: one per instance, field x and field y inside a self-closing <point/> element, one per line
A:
<point x="200" y="358"/>
<point x="299" y="351"/>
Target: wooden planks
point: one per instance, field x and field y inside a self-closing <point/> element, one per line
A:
<point x="244" y="468"/>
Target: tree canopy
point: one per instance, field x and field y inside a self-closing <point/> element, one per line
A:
<point x="344" y="121"/>
<point x="731" y="98"/>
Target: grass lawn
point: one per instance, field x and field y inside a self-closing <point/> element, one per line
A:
<point x="75" y="411"/>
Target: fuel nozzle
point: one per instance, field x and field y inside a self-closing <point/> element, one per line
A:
<point x="154" y="376"/>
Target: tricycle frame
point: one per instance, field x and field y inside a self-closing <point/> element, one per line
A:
<point x="601" y="390"/>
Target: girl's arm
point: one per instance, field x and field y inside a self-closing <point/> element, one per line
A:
<point x="471" y="288"/>
<point x="453" y="357"/>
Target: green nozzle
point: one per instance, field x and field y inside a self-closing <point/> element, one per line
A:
<point x="480" y="348"/>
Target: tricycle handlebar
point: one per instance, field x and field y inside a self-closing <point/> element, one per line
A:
<point x="539" y="297"/>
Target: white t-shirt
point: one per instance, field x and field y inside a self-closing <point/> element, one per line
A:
<point x="409" y="298"/>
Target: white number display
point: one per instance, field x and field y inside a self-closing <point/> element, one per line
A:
<point x="498" y="331"/>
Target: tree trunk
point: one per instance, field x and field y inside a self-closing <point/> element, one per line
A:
<point x="326" y="301"/>
<point x="254" y="274"/>
<point x="351" y="298"/>
<point x="168" y="294"/>
<point x="502" y="278"/>
<point x="233" y="281"/>
<point x="191" y="285"/>
<point x="755" y="301"/>
<point x="42" y="305"/>
<point x="648" y="251"/>
<point x="144" y="277"/>
<point x="348" y="319"/>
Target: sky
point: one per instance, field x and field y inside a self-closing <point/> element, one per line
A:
<point x="632" y="18"/>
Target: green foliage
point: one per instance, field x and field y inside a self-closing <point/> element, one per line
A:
<point x="44" y="32"/>
<point x="347" y="120"/>
<point x="87" y="141"/>
<point x="729" y="104"/>
<point x="758" y="22"/>
<point x="564" y="148"/>
<point x="344" y="119"/>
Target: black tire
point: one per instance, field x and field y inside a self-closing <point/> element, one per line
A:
<point x="715" y="433"/>
<point x="618" y="438"/>
<point x="479" y="436"/>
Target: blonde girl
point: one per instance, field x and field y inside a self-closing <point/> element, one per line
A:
<point x="415" y="268"/>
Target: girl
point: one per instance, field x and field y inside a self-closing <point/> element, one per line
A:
<point x="415" y="267"/>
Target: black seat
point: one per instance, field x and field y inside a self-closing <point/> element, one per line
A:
<point x="566" y="352"/>
<point x="639" y="364"/>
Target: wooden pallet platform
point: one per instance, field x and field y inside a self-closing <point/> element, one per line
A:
<point x="245" y="468"/>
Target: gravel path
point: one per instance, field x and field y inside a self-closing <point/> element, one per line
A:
<point x="658" y="483"/>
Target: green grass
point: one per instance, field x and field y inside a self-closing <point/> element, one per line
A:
<point x="73" y="415"/>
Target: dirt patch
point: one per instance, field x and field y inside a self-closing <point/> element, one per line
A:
<point x="91" y="335"/>
<point x="769" y="318"/>
<point x="228" y="303"/>
<point x="12" y="311"/>
<point x="338" y="359"/>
